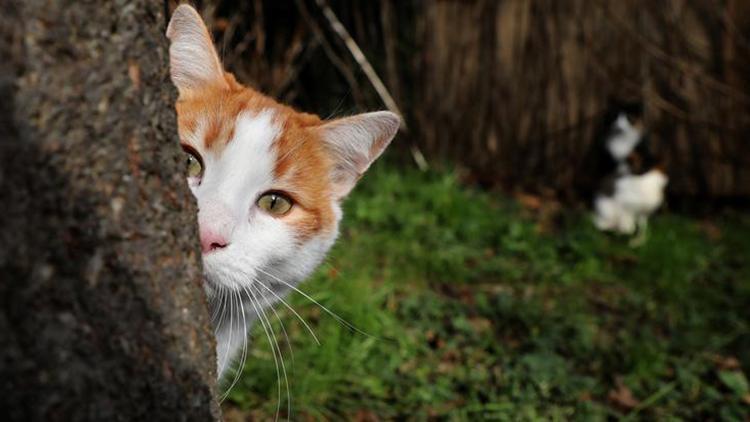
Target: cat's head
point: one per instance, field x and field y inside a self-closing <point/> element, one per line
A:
<point x="268" y="180"/>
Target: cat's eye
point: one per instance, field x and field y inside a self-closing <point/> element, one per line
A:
<point x="193" y="164"/>
<point x="275" y="203"/>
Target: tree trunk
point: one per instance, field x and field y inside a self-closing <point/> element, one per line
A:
<point x="102" y="315"/>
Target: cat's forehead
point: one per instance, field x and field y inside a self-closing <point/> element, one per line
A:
<point x="252" y="142"/>
<point x="208" y="118"/>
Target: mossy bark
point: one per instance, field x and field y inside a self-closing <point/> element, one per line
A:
<point x="102" y="316"/>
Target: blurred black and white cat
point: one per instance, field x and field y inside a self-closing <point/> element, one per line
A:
<point x="633" y="187"/>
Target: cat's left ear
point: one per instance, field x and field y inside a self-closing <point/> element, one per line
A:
<point x="193" y="61"/>
<point x="354" y="143"/>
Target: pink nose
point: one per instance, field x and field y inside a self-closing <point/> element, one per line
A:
<point x="211" y="241"/>
<point x="216" y="225"/>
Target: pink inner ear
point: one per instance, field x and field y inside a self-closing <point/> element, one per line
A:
<point x="194" y="62"/>
<point x="354" y="143"/>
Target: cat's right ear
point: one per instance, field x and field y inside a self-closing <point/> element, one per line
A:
<point x="193" y="62"/>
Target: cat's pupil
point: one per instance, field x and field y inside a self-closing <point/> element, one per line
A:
<point x="274" y="199"/>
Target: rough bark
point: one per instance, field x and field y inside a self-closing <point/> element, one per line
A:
<point x="101" y="311"/>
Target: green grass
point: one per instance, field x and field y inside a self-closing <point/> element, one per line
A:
<point x="480" y="310"/>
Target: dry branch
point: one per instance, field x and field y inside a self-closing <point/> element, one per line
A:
<point x="360" y="58"/>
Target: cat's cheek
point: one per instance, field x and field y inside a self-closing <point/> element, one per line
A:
<point x="306" y="224"/>
<point x="211" y="272"/>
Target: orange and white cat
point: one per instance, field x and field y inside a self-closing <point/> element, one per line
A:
<point x="269" y="181"/>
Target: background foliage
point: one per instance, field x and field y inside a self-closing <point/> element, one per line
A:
<point x="483" y="305"/>
<point x="515" y="90"/>
<point x="482" y="308"/>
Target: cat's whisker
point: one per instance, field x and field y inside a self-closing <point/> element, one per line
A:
<point x="233" y="309"/>
<point x="338" y="107"/>
<point x="220" y="310"/>
<point x="285" y="303"/>
<point x="233" y="303"/>
<point x="215" y="312"/>
<point x="217" y="324"/>
<point x="230" y="297"/>
<point x="215" y="303"/>
<point x="326" y="159"/>
<point x="278" y="348"/>
<point x="328" y="311"/>
<point x="224" y="357"/>
<point x="273" y="349"/>
<point x="281" y="322"/>
<point x="243" y="355"/>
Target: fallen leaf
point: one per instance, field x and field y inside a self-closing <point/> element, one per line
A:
<point x="234" y="414"/>
<point x="622" y="396"/>
<point x="366" y="416"/>
<point x="728" y="363"/>
<point x="445" y="368"/>
<point x="711" y="230"/>
<point x="529" y="201"/>
<point x="480" y="325"/>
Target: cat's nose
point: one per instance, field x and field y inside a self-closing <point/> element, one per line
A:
<point x="216" y="224"/>
<point x="211" y="241"/>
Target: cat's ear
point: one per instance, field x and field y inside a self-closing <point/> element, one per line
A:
<point x="193" y="62"/>
<point x="354" y="143"/>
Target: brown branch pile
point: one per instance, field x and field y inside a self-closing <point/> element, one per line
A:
<point x="515" y="90"/>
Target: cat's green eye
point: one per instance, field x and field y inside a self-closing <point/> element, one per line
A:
<point x="193" y="165"/>
<point x="275" y="203"/>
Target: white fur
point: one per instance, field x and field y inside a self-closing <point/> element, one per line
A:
<point x="635" y="198"/>
<point x="192" y="58"/>
<point x="264" y="253"/>
<point x="259" y="244"/>
<point x="263" y="257"/>
<point x="627" y="137"/>
<point x="355" y="142"/>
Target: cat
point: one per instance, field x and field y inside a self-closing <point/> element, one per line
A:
<point x="621" y="142"/>
<point x="268" y="180"/>
<point x="634" y="187"/>
<point x="631" y="202"/>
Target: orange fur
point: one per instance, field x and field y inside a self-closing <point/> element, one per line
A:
<point x="302" y="166"/>
<point x="316" y="165"/>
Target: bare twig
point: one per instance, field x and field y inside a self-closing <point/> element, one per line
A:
<point x="330" y="53"/>
<point x="389" y="42"/>
<point x="360" y="58"/>
<point x="300" y="49"/>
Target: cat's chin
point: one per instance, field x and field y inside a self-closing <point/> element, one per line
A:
<point x="213" y="288"/>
